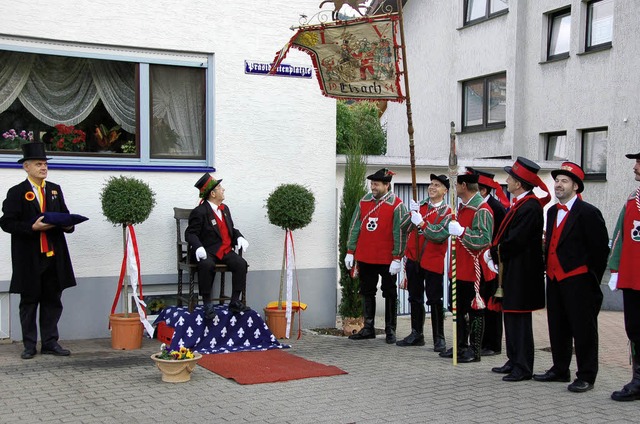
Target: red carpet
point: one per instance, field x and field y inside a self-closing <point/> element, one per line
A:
<point x="265" y="366"/>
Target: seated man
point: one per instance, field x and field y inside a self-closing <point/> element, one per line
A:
<point x="211" y="236"/>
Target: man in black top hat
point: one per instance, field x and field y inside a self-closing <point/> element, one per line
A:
<point x="576" y="250"/>
<point x="212" y="236"/>
<point x="492" y="337"/>
<point x="40" y="258"/>
<point x="517" y="249"/>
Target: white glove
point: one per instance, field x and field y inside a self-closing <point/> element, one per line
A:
<point x="414" y="206"/>
<point x="242" y="244"/>
<point x="395" y="267"/>
<point x="348" y="261"/>
<point x="613" y="281"/>
<point x="416" y="218"/>
<point x="487" y="256"/>
<point x="201" y="254"/>
<point x="455" y="229"/>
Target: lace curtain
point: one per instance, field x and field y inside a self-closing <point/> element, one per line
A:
<point x="57" y="89"/>
<point x="177" y="96"/>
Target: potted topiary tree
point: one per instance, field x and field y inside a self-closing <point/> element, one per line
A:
<point x="125" y="202"/>
<point x="290" y="207"/>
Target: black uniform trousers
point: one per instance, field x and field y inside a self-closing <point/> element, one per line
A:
<point x="573" y="306"/>
<point x="631" y="304"/>
<point x="465" y="293"/>
<point x="421" y="282"/>
<point x="518" y="328"/>
<point x="207" y="271"/>
<point x="369" y="280"/>
<point x="492" y="338"/>
<point x="50" y="302"/>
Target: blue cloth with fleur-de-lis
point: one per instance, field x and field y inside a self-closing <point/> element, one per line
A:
<point x="226" y="332"/>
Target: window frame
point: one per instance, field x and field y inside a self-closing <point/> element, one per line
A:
<point x="593" y="176"/>
<point x="547" y="137"/>
<point x="589" y="30"/>
<point x="144" y="58"/>
<point x="487" y="14"/>
<point x="566" y="11"/>
<point x="485" y="109"/>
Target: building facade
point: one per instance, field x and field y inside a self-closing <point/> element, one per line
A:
<point x="182" y="84"/>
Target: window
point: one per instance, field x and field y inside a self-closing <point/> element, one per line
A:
<point x="559" y="34"/>
<point x="109" y="112"/>
<point x="594" y="152"/>
<point x="556" y="146"/>
<point x="599" y="24"/>
<point x="479" y="10"/>
<point x="484" y="102"/>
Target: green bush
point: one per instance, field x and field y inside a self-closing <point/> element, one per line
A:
<point x="290" y="206"/>
<point x="353" y="189"/>
<point x="126" y="200"/>
<point x="359" y="122"/>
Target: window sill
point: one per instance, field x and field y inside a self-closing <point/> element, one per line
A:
<point x="555" y="59"/>
<point x="470" y="130"/>
<point x="483" y="19"/>
<point x="596" y="178"/>
<point x="596" y="49"/>
<point x="118" y="167"/>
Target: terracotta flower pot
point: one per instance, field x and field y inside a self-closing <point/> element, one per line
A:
<point x="352" y="325"/>
<point x="126" y="333"/>
<point x="176" y="371"/>
<point x="276" y="320"/>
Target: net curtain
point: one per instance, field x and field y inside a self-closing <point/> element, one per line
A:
<point x="64" y="90"/>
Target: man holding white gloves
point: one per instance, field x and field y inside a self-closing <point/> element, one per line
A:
<point x="212" y="236"/>
<point x="623" y="262"/>
<point x="377" y="239"/>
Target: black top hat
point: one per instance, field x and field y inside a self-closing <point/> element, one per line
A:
<point x="524" y="170"/>
<point x="573" y="171"/>
<point x="205" y="184"/>
<point x="32" y="151"/>
<point x="484" y="178"/>
<point x="383" y="175"/>
<point x="467" y="178"/>
<point x="633" y="155"/>
<point x="442" y="178"/>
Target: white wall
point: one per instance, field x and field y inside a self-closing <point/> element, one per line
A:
<point x="268" y="130"/>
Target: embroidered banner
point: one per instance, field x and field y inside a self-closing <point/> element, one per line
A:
<point x="354" y="59"/>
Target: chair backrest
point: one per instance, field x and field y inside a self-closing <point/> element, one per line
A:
<point x="182" y="247"/>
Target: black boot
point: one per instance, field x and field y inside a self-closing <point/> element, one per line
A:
<point x="631" y="391"/>
<point x="437" y="328"/>
<point x="416" y="338"/>
<point x="369" y="312"/>
<point x="390" y="319"/>
<point x="473" y="354"/>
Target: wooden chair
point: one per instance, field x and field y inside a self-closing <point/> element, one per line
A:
<point x="185" y="263"/>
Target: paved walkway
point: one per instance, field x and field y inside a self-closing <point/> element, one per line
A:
<point x="385" y="384"/>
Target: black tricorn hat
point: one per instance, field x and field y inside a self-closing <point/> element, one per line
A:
<point x="205" y="184"/>
<point x="467" y="178"/>
<point x="633" y="155"/>
<point x="383" y="175"/>
<point x="33" y="151"/>
<point x="442" y="178"/>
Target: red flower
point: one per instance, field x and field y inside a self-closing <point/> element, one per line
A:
<point x="60" y="143"/>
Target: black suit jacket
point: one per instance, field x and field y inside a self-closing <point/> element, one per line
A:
<point x="19" y="214"/>
<point x="584" y="239"/>
<point x="520" y="249"/>
<point x="203" y="231"/>
<point x="498" y="214"/>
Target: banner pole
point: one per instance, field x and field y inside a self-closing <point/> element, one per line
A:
<point x="453" y="174"/>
